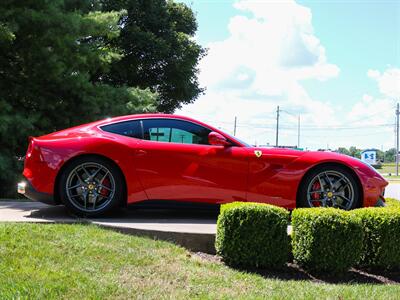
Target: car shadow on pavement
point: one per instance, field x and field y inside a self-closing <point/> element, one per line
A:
<point x="129" y="215"/>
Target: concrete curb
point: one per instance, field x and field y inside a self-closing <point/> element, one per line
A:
<point x="196" y="242"/>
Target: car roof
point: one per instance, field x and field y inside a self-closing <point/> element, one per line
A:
<point x="146" y="116"/>
<point x="160" y="115"/>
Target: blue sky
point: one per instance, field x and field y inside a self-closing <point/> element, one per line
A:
<point x="358" y="36"/>
<point x="334" y="63"/>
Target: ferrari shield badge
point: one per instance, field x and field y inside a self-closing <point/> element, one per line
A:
<point x="258" y="153"/>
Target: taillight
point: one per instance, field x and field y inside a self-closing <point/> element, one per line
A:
<point x="30" y="147"/>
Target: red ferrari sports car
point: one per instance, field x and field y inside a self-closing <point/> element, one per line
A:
<point x="96" y="167"/>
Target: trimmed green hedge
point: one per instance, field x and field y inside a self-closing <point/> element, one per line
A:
<point x="392" y="203"/>
<point x="381" y="247"/>
<point x="326" y="239"/>
<point x="253" y="235"/>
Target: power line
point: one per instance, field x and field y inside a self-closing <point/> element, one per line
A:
<point x="304" y="127"/>
<point x="315" y="127"/>
<point x="344" y="136"/>
<point x="344" y="128"/>
<point x="370" y="116"/>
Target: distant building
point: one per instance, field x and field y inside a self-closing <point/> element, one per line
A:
<point x="369" y="156"/>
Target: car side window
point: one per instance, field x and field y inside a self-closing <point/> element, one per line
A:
<point x="175" y="131"/>
<point x="127" y="128"/>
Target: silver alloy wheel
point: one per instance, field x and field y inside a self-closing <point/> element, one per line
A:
<point x="331" y="189"/>
<point x="90" y="187"/>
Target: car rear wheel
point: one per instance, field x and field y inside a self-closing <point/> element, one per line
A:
<point x="330" y="186"/>
<point x="91" y="186"/>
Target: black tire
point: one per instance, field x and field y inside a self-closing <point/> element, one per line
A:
<point x="91" y="198"/>
<point x="307" y="198"/>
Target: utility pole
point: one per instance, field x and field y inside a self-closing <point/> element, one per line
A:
<point x="234" y="128"/>
<point x="298" y="132"/>
<point x="397" y="139"/>
<point x="277" y="127"/>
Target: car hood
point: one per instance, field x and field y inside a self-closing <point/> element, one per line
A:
<point x="311" y="158"/>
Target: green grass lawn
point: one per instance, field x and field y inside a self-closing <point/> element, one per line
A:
<point x="85" y="261"/>
<point x="388" y="168"/>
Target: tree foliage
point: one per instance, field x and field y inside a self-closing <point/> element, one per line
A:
<point x="158" y="50"/>
<point x="382" y="156"/>
<point x="66" y="62"/>
<point x="343" y="150"/>
<point x="390" y="155"/>
<point x="355" y="152"/>
<point x="54" y="55"/>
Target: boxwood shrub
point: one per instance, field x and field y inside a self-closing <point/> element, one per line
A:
<point x="392" y="203"/>
<point x="381" y="247"/>
<point x="253" y="235"/>
<point x="326" y="239"/>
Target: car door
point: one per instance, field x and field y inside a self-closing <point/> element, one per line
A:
<point x="175" y="162"/>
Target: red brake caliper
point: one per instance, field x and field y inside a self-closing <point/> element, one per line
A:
<point x="104" y="192"/>
<point x="316" y="196"/>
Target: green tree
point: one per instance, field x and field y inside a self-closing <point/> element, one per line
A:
<point x="380" y="156"/>
<point x="158" y="50"/>
<point x="343" y="150"/>
<point x="50" y="51"/>
<point x="390" y="155"/>
<point x="355" y="152"/>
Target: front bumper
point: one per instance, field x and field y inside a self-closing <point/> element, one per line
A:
<point x="381" y="200"/>
<point x="380" y="203"/>
<point x="25" y="188"/>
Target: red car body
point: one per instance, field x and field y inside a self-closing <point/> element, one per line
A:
<point x="187" y="172"/>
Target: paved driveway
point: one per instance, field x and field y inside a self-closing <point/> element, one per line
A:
<point x="177" y="220"/>
<point x="393" y="190"/>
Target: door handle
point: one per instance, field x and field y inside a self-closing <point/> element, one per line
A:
<point x="141" y="152"/>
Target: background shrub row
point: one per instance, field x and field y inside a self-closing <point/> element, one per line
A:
<point x="326" y="239"/>
<point x="323" y="239"/>
<point x="381" y="247"/>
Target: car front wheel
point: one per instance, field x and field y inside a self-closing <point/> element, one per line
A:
<point x="330" y="186"/>
<point x="90" y="186"/>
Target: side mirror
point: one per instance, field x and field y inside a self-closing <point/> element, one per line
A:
<point x="216" y="139"/>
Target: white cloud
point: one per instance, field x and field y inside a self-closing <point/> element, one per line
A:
<point x="261" y="65"/>
<point x="377" y="114"/>
<point x="270" y="50"/>
<point x="388" y="81"/>
<point x="371" y="111"/>
<point x="378" y="110"/>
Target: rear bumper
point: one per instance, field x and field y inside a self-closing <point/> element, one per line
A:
<point x="25" y="188"/>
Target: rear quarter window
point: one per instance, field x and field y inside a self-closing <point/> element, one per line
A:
<point x="128" y="128"/>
